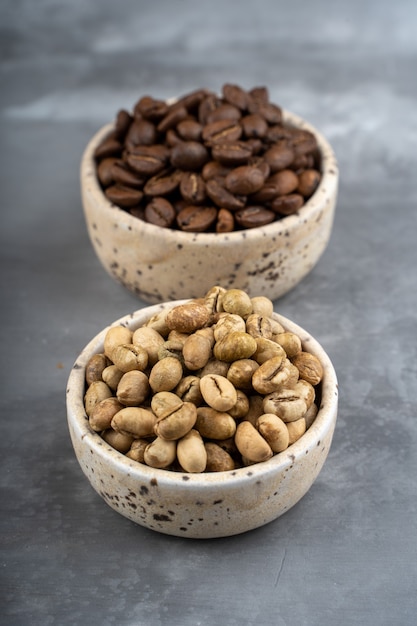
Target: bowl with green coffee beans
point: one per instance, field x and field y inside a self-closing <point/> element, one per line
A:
<point x="205" y="417"/>
<point x="207" y="189"/>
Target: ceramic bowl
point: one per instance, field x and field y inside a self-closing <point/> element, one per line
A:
<point x="159" y="264"/>
<point x="203" y="505"/>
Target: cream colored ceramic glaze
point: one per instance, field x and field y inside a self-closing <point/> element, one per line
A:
<point x="161" y="264"/>
<point x="201" y="505"/>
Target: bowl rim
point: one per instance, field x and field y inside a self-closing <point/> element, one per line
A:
<point x="80" y="429"/>
<point x="326" y="190"/>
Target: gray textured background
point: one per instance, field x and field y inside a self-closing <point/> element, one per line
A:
<point x="347" y="553"/>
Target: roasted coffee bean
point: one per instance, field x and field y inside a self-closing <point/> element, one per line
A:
<point x="207" y="106"/>
<point x="160" y="212"/>
<point x="231" y="153"/>
<point x="278" y="132"/>
<point x="192" y="100"/>
<point x="123" y="196"/>
<point x="122" y="124"/>
<point x="259" y="104"/>
<point x="175" y="115"/>
<point x="144" y="165"/>
<point x="258" y="95"/>
<point x="221" y="130"/>
<point x="196" y="219"/>
<point x="303" y="162"/>
<point x="214" y="169"/>
<point x="275" y="185"/>
<point x="254" y="216"/>
<point x="105" y="171"/>
<point x="308" y="182"/>
<point x="147" y="160"/>
<point x="163" y="183"/>
<point x="287" y="205"/>
<point x="280" y="156"/>
<point x="172" y="138"/>
<point x="270" y="112"/>
<point x="267" y="192"/>
<point x="189" y="130"/>
<point x="225" y="221"/>
<point x="122" y="175"/>
<point x="254" y="125"/>
<point x="141" y="132"/>
<point x="151" y="108"/>
<point x="193" y="188"/>
<point x="109" y="147"/>
<point x="233" y="94"/>
<point x="223" y="198"/>
<point x="224" y="111"/>
<point x="245" y="180"/>
<point x="285" y="181"/>
<point x="303" y="142"/>
<point x="189" y="155"/>
<point x="255" y="145"/>
<point x="261" y="164"/>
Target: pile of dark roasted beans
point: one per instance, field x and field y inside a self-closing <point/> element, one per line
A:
<point x="208" y="162"/>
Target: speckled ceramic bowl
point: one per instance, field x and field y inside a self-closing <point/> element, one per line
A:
<point x="161" y="264"/>
<point x="210" y="504"/>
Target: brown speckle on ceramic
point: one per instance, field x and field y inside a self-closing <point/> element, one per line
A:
<point x="159" y="264"/>
<point x="204" y="505"/>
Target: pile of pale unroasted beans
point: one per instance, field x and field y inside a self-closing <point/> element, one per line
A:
<point x="208" y="162"/>
<point x="210" y="385"/>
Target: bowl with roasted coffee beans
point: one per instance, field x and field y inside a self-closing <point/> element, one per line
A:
<point x="202" y="418"/>
<point x="208" y="189"/>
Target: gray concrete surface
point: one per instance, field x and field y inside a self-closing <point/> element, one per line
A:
<point x="347" y="553"/>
